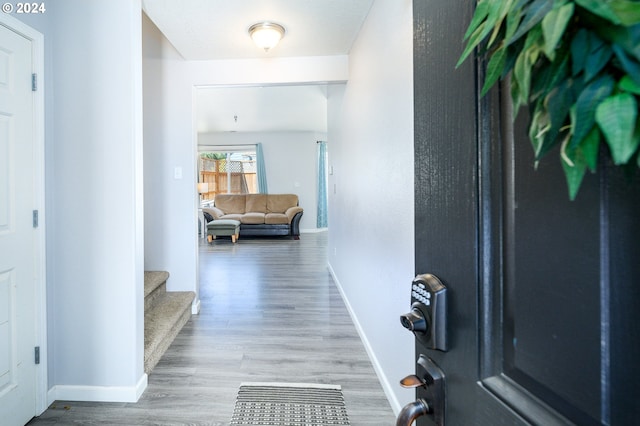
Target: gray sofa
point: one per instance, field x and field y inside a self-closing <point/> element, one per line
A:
<point x="259" y="214"/>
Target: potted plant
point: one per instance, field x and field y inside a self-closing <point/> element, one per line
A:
<point x="576" y="65"/>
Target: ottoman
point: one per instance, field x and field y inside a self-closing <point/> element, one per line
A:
<point x="223" y="227"/>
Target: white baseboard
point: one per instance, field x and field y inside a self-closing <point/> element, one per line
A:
<point x="98" y="393"/>
<point x="195" y="307"/>
<point x="386" y="386"/>
<point x="312" y="230"/>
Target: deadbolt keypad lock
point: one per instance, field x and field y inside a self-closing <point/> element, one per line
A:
<point x="428" y="316"/>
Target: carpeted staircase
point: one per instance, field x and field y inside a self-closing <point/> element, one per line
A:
<point x="165" y="313"/>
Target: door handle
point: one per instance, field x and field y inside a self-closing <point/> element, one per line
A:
<point x="412" y="411"/>
<point x="430" y="377"/>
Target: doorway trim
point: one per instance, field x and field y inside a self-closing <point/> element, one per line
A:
<point x="37" y="61"/>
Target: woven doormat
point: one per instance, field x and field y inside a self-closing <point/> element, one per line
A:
<point x="289" y="404"/>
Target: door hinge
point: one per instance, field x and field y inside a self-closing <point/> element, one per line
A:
<point x="37" y="354"/>
<point x="34" y="82"/>
<point x="35" y="218"/>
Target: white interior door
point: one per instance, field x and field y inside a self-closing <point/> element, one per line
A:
<point x="18" y="270"/>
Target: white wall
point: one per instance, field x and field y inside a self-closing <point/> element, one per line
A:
<point x="168" y="144"/>
<point x="93" y="139"/>
<point x="291" y="161"/>
<point x="371" y="231"/>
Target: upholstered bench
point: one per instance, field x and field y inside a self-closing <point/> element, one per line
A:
<point x="223" y="227"/>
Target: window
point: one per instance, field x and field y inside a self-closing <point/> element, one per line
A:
<point x="229" y="172"/>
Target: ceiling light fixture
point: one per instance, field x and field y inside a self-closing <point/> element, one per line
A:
<point x="266" y="35"/>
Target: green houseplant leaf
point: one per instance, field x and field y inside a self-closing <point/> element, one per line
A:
<point x="586" y="105"/>
<point x="589" y="148"/>
<point x="535" y="11"/>
<point x="574" y="171"/>
<point x="627" y="84"/>
<point x="576" y="65"/>
<point x="480" y="14"/>
<point x="576" y="161"/>
<point x="487" y="19"/>
<point x="631" y="66"/>
<point x="599" y="55"/>
<point x="579" y="51"/>
<point x="626" y="38"/>
<point x="558" y="106"/>
<point x="474" y="40"/>
<point x="616" y="117"/>
<point x="628" y="12"/>
<point x="524" y="65"/>
<point x="494" y="69"/>
<point x="553" y="27"/>
<point x="600" y="8"/>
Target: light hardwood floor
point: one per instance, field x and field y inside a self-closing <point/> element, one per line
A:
<point x="270" y="313"/>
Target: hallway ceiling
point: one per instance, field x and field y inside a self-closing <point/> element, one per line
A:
<point x="217" y="30"/>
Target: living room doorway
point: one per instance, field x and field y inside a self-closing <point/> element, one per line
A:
<point x="287" y="121"/>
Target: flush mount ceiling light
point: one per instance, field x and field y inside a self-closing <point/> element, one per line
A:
<point x="266" y="34"/>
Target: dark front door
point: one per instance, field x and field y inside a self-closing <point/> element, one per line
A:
<point x="543" y="293"/>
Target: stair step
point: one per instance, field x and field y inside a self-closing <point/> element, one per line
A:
<point x="162" y="322"/>
<point x="153" y="280"/>
<point x="155" y="285"/>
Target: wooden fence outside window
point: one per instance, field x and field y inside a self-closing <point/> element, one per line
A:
<point x="240" y="178"/>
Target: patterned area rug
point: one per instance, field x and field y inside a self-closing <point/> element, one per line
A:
<point x="269" y="404"/>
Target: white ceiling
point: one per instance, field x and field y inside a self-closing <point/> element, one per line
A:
<point x="218" y="29"/>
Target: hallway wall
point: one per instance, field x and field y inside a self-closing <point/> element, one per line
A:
<point x="168" y="140"/>
<point x="371" y="211"/>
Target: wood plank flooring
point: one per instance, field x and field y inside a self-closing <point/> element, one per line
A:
<point x="270" y="312"/>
